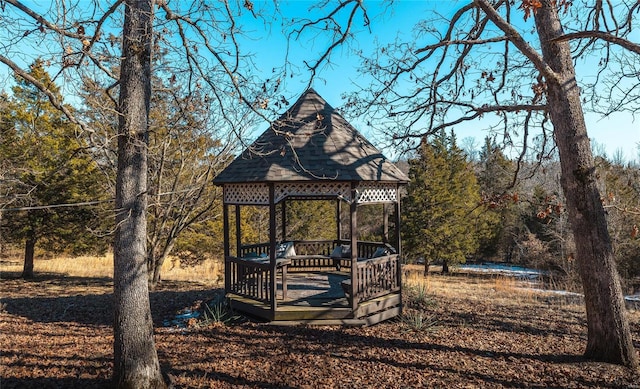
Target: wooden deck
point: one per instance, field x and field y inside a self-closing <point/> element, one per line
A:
<point x="317" y="298"/>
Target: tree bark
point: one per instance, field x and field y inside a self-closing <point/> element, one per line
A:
<point x="136" y="362"/>
<point x="29" y="253"/>
<point x="155" y="262"/>
<point x="609" y="336"/>
<point x="445" y="267"/>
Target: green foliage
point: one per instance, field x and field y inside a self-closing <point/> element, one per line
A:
<point x="418" y="321"/>
<point x="46" y="164"/>
<point x="441" y="206"/>
<point x="496" y="172"/>
<point x="184" y="155"/>
<point x="219" y="311"/>
<point x="311" y="220"/>
<point x="499" y="219"/>
<point x="199" y="242"/>
<point x="370" y="223"/>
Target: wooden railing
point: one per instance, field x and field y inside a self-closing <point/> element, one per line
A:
<point x="248" y="279"/>
<point x="377" y="277"/>
<point x="316" y="251"/>
<point x="315" y="247"/>
<point x="366" y="249"/>
<point x="258" y="249"/>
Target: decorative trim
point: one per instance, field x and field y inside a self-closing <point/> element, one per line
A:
<point x="247" y="194"/>
<point x="377" y="192"/>
<point x="258" y="193"/>
<point x="313" y="189"/>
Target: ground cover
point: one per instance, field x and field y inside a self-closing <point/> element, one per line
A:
<point x="458" y="331"/>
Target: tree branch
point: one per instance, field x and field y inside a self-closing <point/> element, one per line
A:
<point x="44" y="22"/>
<point x="52" y="98"/>
<point x="633" y="47"/>
<point x="469" y="42"/>
<point x="517" y="39"/>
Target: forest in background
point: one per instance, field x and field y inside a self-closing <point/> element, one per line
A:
<point x="463" y="203"/>
<point x="539" y="66"/>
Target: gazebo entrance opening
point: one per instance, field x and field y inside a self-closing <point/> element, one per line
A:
<point x="313" y="279"/>
<point x="311" y="154"/>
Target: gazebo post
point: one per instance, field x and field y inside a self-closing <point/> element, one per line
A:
<point x="238" y="233"/>
<point x="398" y="242"/>
<point x="284" y="219"/>
<point x="272" y="249"/>
<point x="385" y="226"/>
<point x="353" y="212"/>
<point x="338" y="217"/>
<point x="225" y="229"/>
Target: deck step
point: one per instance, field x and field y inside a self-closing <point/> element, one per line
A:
<point x="321" y="322"/>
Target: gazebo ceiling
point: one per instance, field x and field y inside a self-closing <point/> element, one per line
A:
<point x="311" y="142"/>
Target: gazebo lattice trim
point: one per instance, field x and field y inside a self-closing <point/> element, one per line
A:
<point x="246" y="194"/>
<point x="313" y="189"/>
<point x="377" y="192"/>
<point x="258" y="193"/>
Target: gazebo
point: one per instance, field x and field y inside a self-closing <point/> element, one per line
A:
<point x="311" y="152"/>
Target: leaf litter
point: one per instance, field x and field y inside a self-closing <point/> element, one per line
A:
<point x="55" y="332"/>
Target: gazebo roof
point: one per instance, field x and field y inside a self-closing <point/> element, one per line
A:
<point x="311" y="142"/>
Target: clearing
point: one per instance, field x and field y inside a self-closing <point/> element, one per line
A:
<point x="458" y="331"/>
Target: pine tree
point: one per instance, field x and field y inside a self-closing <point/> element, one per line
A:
<point x="49" y="165"/>
<point x="500" y="216"/>
<point x="441" y="204"/>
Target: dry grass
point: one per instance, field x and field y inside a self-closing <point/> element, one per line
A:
<point x="474" y="288"/>
<point x="468" y="332"/>
<point x="210" y="272"/>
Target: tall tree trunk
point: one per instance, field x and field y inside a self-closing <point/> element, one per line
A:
<point x="29" y="253"/>
<point x="609" y="336"/>
<point x="136" y="362"/>
<point x="155" y="262"/>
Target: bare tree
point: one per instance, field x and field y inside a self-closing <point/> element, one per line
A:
<point x="136" y="361"/>
<point x="79" y="41"/>
<point x="188" y="146"/>
<point x="486" y="60"/>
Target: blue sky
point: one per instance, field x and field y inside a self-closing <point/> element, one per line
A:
<point x="617" y="132"/>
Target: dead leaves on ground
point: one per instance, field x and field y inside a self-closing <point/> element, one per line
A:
<point x="52" y="334"/>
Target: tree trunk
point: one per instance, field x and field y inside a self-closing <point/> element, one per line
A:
<point x="445" y="267"/>
<point x="153" y="267"/>
<point x="155" y="262"/>
<point x="609" y="336"/>
<point x="29" y="253"/>
<point x="136" y="362"/>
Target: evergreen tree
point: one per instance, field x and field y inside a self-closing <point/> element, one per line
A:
<point x="500" y="217"/>
<point x="307" y="220"/>
<point x="442" y="203"/>
<point x="48" y="165"/>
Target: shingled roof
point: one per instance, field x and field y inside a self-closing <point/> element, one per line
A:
<point x="311" y="142"/>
